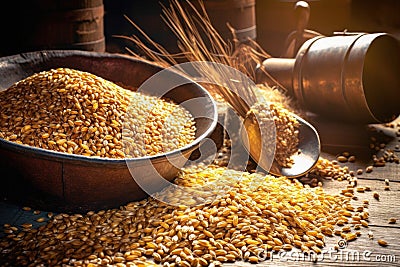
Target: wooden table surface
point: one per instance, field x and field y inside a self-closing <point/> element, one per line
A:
<point x="356" y="139"/>
<point x="364" y="251"/>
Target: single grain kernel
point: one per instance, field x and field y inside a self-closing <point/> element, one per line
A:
<point x="350" y="236"/>
<point x="41" y="219"/>
<point x="253" y="259"/>
<point x="341" y="159"/>
<point x="364" y="223"/>
<point x="346" y="154"/>
<point x="369" y="169"/>
<point x="382" y="243"/>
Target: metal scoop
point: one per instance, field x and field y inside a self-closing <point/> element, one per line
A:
<point x="303" y="161"/>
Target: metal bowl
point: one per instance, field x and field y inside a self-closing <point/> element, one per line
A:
<point x="65" y="182"/>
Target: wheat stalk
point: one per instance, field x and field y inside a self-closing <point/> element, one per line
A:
<point x="199" y="41"/>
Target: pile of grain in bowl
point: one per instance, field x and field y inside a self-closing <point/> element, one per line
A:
<point x="77" y="112"/>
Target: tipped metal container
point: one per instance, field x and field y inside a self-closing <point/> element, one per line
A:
<point x="50" y="180"/>
<point x="353" y="76"/>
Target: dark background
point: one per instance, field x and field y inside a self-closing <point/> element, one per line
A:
<point x="274" y="20"/>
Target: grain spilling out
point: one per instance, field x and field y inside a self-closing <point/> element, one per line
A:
<point x="77" y="112"/>
<point x="287" y="130"/>
<point x="259" y="215"/>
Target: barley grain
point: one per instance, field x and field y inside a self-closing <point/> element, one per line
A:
<point x="278" y="213"/>
<point x="382" y="243"/>
<point x="369" y="169"/>
<point x="117" y="122"/>
<point x="342" y="159"/>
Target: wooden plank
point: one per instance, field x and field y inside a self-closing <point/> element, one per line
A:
<point x="356" y="141"/>
<point x="380" y="210"/>
<point x="337" y="138"/>
<point x="351" y="254"/>
<point x="13" y="214"/>
<point x="363" y="155"/>
<point x="364" y="251"/>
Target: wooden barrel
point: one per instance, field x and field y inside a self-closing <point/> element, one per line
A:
<point x="55" y="24"/>
<point x="240" y="14"/>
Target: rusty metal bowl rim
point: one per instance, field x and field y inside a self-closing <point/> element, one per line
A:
<point x="81" y="159"/>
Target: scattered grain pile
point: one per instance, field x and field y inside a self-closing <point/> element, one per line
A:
<point x="258" y="216"/>
<point x="76" y="112"/>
